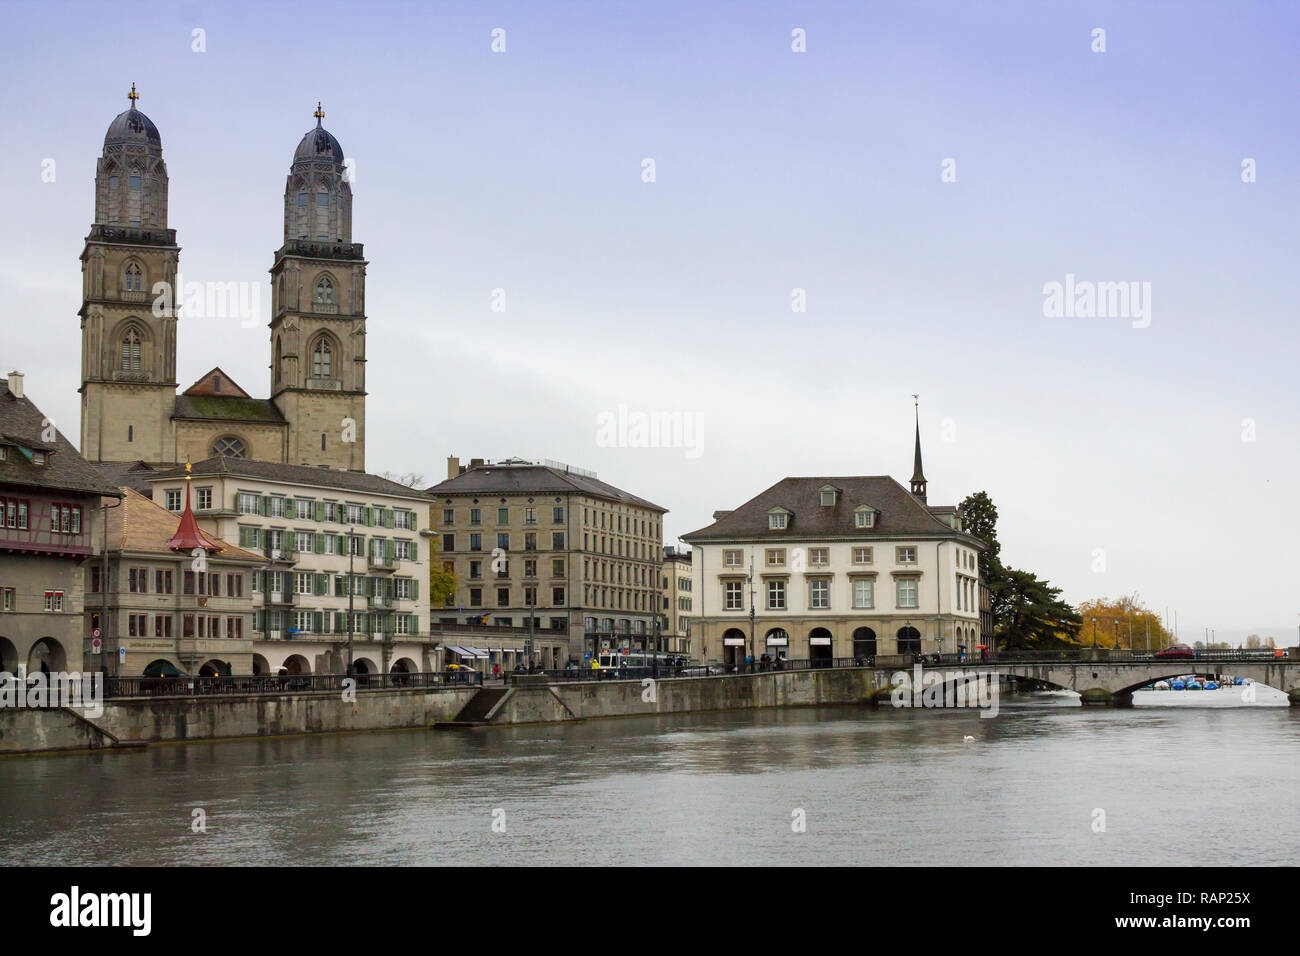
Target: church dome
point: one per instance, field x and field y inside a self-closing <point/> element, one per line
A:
<point x="132" y="127"/>
<point x="319" y="144"/>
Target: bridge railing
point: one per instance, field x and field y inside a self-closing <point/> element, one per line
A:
<point x="118" y="687"/>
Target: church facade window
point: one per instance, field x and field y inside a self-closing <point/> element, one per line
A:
<point x="322" y="359"/>
<point x="229" y="447"/>
<point x="324" y="291"/>
<point x="132" y="353"/>
<point x="134" y="278"/>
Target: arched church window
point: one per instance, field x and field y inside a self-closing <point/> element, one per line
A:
<point x="134" y="278"/>
<point x="228" y="447"/>
<point x="131" y="351"/>
<point x="324" y="291"/>
<point x="322" y="359"/>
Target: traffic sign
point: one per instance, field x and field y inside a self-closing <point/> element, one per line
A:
<point x="96" y="645"/>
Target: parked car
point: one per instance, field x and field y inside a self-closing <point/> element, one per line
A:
<point x="1175" y="652"/>
<point x="699" y="670"/>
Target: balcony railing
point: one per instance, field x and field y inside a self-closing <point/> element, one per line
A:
<point x="380" y="562"/>
<point x="282" y="555"/>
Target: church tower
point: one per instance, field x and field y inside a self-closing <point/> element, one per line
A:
<point x="128" y="333"/>
<point x="318" y="311"/>
<point x="918" y="482"/>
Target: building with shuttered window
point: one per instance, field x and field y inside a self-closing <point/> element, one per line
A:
<point x="340" y="549"/>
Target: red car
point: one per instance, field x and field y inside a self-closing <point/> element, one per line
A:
<point x="1175" y="652"/>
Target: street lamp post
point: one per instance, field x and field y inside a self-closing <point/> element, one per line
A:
<point x="751" y="606"/>
<point x="352" y="589"/>
<point x="1094" y="634"/>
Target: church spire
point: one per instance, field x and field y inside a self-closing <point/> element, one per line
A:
<point x="319" y="114"/>
<point x="918" y="475"/>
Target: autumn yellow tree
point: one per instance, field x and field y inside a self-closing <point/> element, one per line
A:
<point x="1123" y="622"/>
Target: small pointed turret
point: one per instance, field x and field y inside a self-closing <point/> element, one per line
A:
<point x="188" y="535"/>
<point x="918" y="474"/>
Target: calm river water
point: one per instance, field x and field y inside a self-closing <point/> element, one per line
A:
<point x="1178" y="785"/>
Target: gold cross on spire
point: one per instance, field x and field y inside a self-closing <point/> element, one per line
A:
<point x="319" y="114"/>
<point x="133" y="96"/>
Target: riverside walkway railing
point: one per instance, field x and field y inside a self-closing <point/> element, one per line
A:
<point x="118" y="687"/>
<point x="183" y="686"/>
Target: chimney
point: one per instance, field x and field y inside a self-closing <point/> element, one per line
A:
<point x="476" y="462"/>
<point x="16" y="384"/>
<point x="453" y="466"/>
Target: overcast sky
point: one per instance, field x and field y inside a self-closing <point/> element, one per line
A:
<point x="774" y="171"/>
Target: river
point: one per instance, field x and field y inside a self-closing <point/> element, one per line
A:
<point x="1177" y="784"/>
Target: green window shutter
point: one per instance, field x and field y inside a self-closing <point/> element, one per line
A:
<point x="320" y="543"/>
<point x="316" y="621"/>
<point x="415" y="589"/>
<point x="338" y="585"/>
<point x="390" y="518"/>
<point x="320" y="511"/>
<point x="263" y="505"/>
<point x="288" y="507"/>
<point x="340" y="625"/>
<point x="389" y="550"/>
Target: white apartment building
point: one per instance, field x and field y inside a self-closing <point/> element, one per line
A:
<point x="344" y="551"/>
<point x="835" y="567"/>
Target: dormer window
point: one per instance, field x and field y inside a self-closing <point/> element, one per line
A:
<point x="829" y="495"/>
<point x="38" y="458"/>
<point x="864" y="517"/>
<point x="777" y="520"/>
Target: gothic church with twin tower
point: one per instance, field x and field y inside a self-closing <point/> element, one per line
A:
<point x="130" y="407"/>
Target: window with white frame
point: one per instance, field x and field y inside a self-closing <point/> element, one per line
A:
<point x="907" y="592"/>
<point x="861" y="555"/>
<point x="905" y="554"/>
<point x="203" y="499"/>
<point x="819" y="594"/>
<point x="775" y="557"/>
<point x="734" y="595"/>
<point x="819" y="556"/>
<point x="865" y="518"/>
<point x="173" y="499"/>
<point x="864" y="594"/>
<point x="777" y="520"/>
<point x="776" y="595"/>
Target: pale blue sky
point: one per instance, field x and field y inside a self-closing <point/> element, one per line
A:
<point x="775" y="170"/>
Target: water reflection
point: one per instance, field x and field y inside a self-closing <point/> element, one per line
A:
<point x="894" y="787"/>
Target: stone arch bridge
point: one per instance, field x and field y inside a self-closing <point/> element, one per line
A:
<point x="1113" y="682"/>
